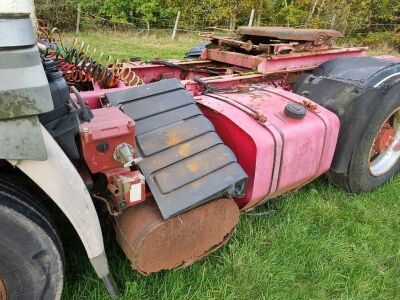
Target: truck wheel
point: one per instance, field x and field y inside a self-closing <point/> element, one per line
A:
<point x="376" y="159"/>
<point x="31" y="255"/>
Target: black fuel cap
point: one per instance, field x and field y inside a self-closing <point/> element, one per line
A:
<point x="295" y="111"/>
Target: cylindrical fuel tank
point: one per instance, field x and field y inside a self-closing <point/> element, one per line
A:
<point x="153" y="244"/>
<point x="280" y="139"/>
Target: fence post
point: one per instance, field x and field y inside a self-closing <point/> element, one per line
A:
<point x="78" y="19"/>
<point x="148" y="27"/>
<point x="251" y="17"/>
<point x="176" y="25"/>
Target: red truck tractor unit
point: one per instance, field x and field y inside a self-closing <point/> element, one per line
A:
<point x="170" y="152"/>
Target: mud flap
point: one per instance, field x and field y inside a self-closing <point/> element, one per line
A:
<point x="184" y="161"/>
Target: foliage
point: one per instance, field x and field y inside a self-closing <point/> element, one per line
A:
<point x="56" y="13"/>
<point x="292" y="15"/>
<point x="376" y="39"/>
<point x="350" y="16"/>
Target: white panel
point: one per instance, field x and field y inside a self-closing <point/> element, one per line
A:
<point x="16" y="6"/>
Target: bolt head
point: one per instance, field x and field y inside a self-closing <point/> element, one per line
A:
<point x="122" y="205"/>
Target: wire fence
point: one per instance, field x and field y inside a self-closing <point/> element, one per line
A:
<point x="90" y="21"/>
<point x="140" y="26"/>
<point x="65" y="18"/>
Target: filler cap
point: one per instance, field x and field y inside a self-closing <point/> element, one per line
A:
<point x="295" y="111"/>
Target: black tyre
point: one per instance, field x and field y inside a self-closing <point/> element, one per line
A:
<point x="376" y="158"/>
<point x="31" y="255"/>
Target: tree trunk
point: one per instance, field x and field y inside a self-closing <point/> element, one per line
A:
<point x="259" y="13"/>
<point x="312" y="12"/>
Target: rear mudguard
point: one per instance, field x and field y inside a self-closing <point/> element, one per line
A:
<point x="196" y="51"/>
<point x="59" y="179"/>
<point x="351" y="88"/>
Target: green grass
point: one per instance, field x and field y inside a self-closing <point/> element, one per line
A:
<point x="317" y="243"/>
<point x="124" y="45"/>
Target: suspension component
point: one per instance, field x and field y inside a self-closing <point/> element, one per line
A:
<point x="79" y="67"/>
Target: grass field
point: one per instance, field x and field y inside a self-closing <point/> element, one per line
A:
<point x="124" y="45"/>
<point x="317" y="243"/>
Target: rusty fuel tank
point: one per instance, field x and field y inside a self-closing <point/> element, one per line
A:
<point x="153" y="244"/>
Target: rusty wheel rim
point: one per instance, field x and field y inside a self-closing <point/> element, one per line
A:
<point x="3" y="291"/>
<point x="385" y="150"/>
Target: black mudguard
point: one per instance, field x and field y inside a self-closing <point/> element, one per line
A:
<point x="196" y="51"/>
<point x="184" y="161"/>
<point x="352" y="88"/>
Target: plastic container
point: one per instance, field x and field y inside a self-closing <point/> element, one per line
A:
<point x="59" y="92"/>
<point x="278" y="152"/>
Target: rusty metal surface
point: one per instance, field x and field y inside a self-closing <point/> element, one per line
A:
<point x="248" y="45"/>
<point x="285" y="63"/>
<point x="270" y="49"/>
<point x="156" y="72"/>
<point x="384" y="138"/>
<point x="385" y="150"/>
<point x="317" y="36"/>
<point x="153" y="244"/>
<point x="3" y="291"/>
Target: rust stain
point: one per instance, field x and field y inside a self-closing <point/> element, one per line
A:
<point x="310" y="105"/>
<point x="384" y="139"/>
<point x="184" y="150"/>
<point x="243" y="88"/>
<point x="153" y="244"/>
<point x="193" y="167"/>
<point x="3" y="291"/>
<point x="287" y="33"/>
<point x="173" y="138"/>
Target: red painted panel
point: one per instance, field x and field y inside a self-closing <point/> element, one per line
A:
<point x="278" y="154"/>
<point x="109" y="128"/>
